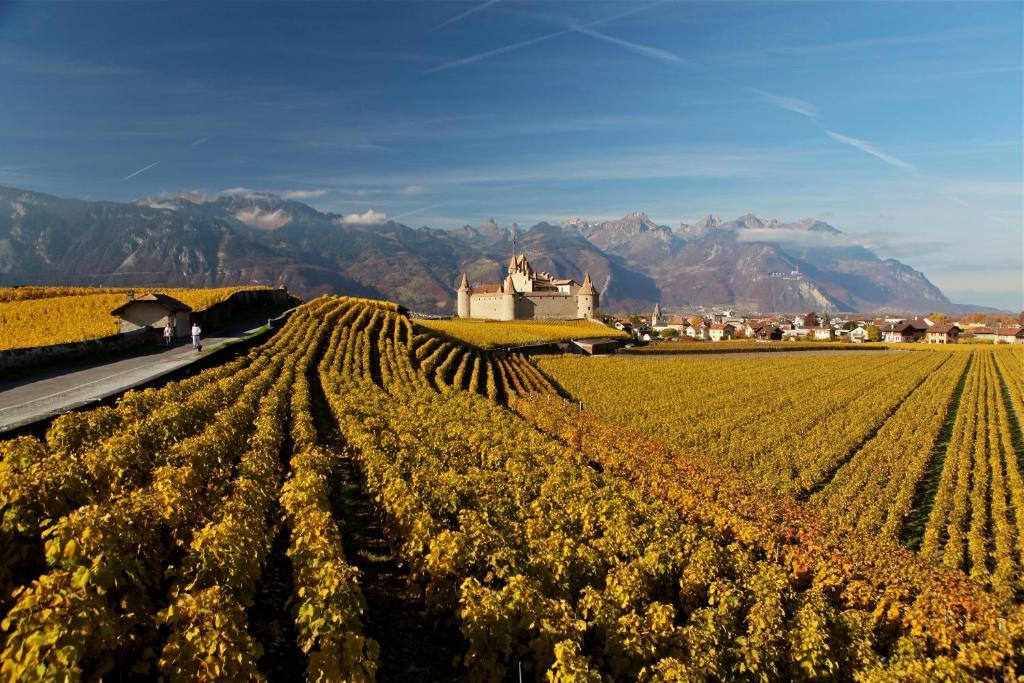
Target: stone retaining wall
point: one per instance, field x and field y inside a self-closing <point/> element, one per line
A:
<point x="18" y="360"/>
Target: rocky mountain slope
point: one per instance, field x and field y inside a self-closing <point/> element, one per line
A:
<point x="244" y="237"/>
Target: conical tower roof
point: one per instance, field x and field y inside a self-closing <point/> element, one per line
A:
<point x="510" y="287"/>
<point x="587" y="287"/>
<point x="464" y="283"/>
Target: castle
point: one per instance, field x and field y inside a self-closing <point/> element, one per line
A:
<point x="528" y="295"/>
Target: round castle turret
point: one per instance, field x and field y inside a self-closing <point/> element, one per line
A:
<point x="587" y="299"/>
<point x="508" y="299"/>
<point x="464" y="292"/>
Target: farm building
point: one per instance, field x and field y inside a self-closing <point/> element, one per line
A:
<point x="943" y="334"/>
<point x="983" y="333"/>
<point x="154" y="310"/>
<point x="1010" y="335"/>
<point x="596" y="347"/>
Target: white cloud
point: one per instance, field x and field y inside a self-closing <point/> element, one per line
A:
<point x="410" y="190"/>
<point x="17" y="59"/>
<point x="267" y="220"/>
<point x="368" y="217"/>
<point x="868" y="148"/>
<point x="303" y="194"/>
<point x="153" y="204"/>
<point x="879" y="242"/>
<point x="239" y="191"/>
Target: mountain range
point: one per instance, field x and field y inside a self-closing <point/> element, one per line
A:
<point x="246" y="237"/>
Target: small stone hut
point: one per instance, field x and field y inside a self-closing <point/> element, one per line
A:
<point x="154" y="310"/>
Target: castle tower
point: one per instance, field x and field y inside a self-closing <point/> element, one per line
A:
<point x="508" y="299"/>
<point x="463" y="294"/>
<point x="587" y="299"/>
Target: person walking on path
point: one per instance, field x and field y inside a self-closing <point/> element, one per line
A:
<point x="196" y="331"/>
<point x="168" y="334"/>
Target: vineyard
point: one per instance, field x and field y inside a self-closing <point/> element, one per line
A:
<point x="487" y="334"/>
<point x="924" y="449"/>
<point x="746" y="346"/>
<point x="40" y="316"/>
<point x="210" y="538"/>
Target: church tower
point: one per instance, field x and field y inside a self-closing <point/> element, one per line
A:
<point x="464" y="293"/>
<point x="656" y="316"/>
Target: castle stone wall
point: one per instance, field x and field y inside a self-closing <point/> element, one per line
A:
<point x="546" y="307"/>
<point x="488" y="306"/>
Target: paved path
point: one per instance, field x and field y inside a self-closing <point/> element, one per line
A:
<point x="30" y="399"/>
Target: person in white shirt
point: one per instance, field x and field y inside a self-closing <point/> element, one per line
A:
<point x="196" y="331"/>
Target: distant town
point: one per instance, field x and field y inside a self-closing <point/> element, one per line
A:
<point x="725" y="324"/>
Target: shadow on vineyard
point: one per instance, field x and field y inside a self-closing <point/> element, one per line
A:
<point x="270" y="615"/>
<point x="1016" y="433"/>
<point x="414" y="645"/>
<point x="913" y="529"/>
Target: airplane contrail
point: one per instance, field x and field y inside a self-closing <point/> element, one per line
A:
<point x="646" y="50"/>
<point x="471" y="10"/>
<point x="868" y="148"/>
<point x="422" y="208"/>
<point x="141" y="170"/>
<point x="533" y="41"/>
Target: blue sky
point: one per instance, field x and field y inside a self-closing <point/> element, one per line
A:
<point x="899" y="123"/>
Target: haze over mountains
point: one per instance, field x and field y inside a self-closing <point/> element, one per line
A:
<point x="244" y="237"/>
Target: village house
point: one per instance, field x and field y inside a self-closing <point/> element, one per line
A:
<point x="806" y="321"/>
<point x="154" y="310"/>
<point x="858" y="335"/>
<point x="1010" y="335"/>
<point x="528" y="295"/>
<point x="822" y="333"/>
<point x="947" y="333"/>
<point x="677" y="322"/>
<point x="766" y="332"/>
<point x="905" y="331"/>
<point x="699" y="332"/>
<point x="720" y="331"/>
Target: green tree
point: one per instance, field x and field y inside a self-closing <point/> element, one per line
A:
<point x="874" y="334"/>
<point x="669" y="333"/>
